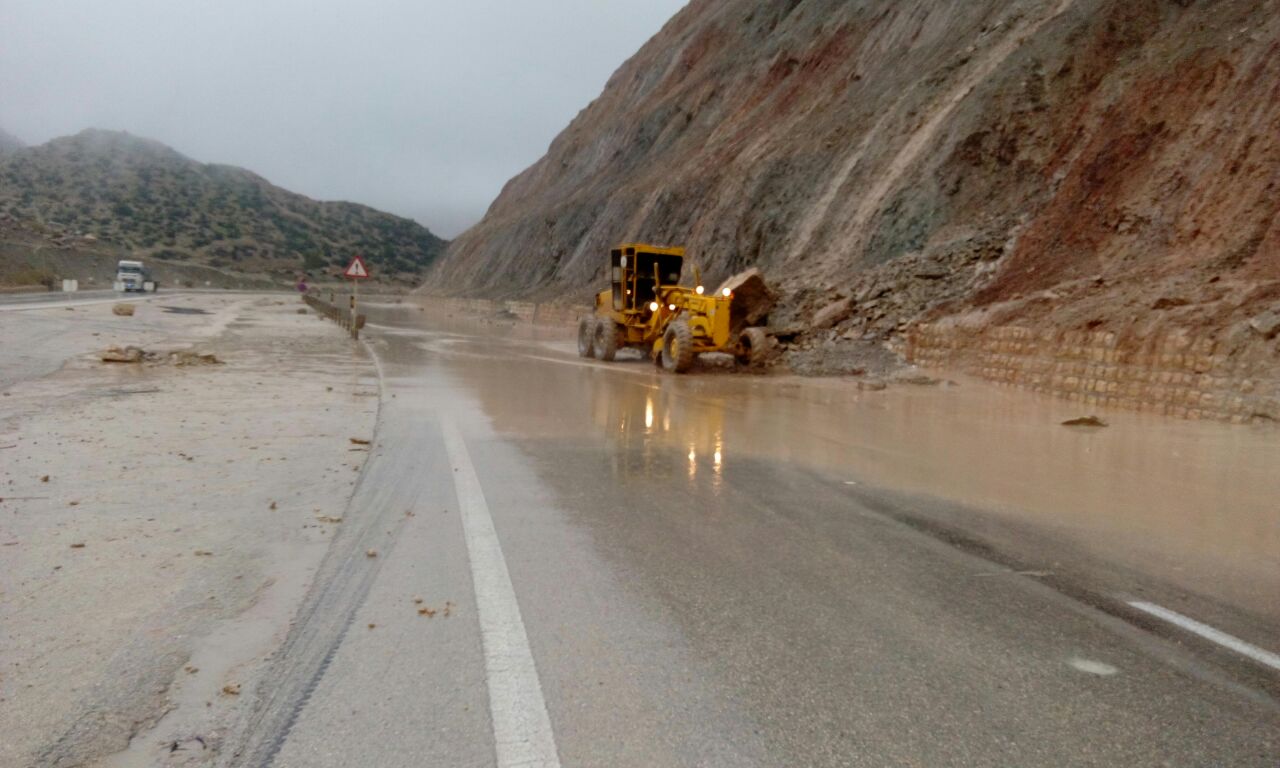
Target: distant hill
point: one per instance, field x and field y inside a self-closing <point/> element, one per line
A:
<point x="9" y="142"/>
<point x="144" y="196"/>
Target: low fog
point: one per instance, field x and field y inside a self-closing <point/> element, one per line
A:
<point x="420" y="108"/>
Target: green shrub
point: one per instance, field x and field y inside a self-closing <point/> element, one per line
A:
<point x="33" y="276"/>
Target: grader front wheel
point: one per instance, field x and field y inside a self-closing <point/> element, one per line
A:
<point x="677" y="347"/>
<point x="753" y="348"/>
<point x="587" y="337"/>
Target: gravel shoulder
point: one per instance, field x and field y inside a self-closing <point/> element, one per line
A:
<point x="160" y="524"/>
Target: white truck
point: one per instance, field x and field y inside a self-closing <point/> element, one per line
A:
<point x="133" y="276"/>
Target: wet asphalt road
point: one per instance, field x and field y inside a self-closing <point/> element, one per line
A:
<point x="701" y="577"/>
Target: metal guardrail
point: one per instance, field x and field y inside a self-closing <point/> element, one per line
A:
<point x="343" y="316"/>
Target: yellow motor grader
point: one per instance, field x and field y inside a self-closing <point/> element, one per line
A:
<point x="646" y="308"/>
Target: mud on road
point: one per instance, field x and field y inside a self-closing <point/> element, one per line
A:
<point x="160" y="523"/>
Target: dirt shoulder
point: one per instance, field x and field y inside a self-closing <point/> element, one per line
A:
<point x="160" y="523"/>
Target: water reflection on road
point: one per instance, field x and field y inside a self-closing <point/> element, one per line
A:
<point x="1196" y="503"/>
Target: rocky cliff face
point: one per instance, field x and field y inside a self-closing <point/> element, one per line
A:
<point x="1101" y="164"/>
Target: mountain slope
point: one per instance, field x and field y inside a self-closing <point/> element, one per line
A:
<point x="144" y="196"/>
<point x="1068" y="162"/>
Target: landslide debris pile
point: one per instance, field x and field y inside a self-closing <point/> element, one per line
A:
<point x="140" y="195"/>
<point x="1093" y="164"/>
<point x="181" y="358"/>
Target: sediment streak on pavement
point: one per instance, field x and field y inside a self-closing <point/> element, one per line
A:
<point x="521" y="727"/>
<point x="373" y="520"/>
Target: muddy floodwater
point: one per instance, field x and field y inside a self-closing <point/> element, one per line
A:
<point x="1194" y="503"/>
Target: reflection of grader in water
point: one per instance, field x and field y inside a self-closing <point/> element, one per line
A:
<point x="647" y="308"/>
<point x="658" y="432"/>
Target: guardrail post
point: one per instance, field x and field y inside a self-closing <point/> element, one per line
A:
<point x="347" y="320"/>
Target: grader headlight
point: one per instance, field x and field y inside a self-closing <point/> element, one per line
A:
<point x="699" y="290"/>
<point x="727" y="293"/>
<point x="653" y="306"/>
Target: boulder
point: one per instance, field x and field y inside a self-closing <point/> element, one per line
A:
<point x="1169" y="302"/>
<point x="188" y="357"/>
<point x="118" y="355"/>
<point x="753" y="300"/>
<point x="1085" y="421"/>
<point x="928" y="269"/>
<point x="873" y="292"/>
<point x="916" y="379"/>
<point x="832" y="313"/>
<point x="1266" y="324"/>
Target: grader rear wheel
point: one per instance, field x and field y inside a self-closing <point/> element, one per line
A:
<point x="677" y="347"/>
<point x="587" y="337"/>
<point x="606" y="339"/>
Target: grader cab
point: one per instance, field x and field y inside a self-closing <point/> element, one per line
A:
<point x="647" y="308"/>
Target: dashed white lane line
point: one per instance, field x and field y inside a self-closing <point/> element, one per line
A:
<point x="1209" y="633"/>
<point x="521" y="727"/>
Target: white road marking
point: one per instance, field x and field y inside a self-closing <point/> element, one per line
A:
<point x="1209" y="633"/>
<point x="521" y="727"/>
<point x="1093" y="667"/>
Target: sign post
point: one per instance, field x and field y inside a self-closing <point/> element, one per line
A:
<point x="356" y="272"/>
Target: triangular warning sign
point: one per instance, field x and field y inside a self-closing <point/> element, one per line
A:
<point x="357" y="270"/>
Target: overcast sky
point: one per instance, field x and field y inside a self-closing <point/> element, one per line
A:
<point x="420" y="107"/>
